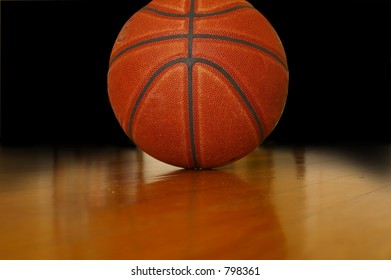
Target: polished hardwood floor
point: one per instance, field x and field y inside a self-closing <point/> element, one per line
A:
<point x="310" y="202"/>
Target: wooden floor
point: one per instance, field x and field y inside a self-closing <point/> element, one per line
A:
<point x="118" y="203"/>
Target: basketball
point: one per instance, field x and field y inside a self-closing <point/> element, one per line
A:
<point x="198" y="84"/>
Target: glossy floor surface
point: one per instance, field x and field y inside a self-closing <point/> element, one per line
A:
<point x="118" y="203"/>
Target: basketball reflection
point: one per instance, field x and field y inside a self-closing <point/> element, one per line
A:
<point x="299" y="156"/>
<point x="211" y="214"/>
<point x="121" y="204"/>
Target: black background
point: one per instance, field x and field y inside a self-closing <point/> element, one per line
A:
<point x="54" y="62"/>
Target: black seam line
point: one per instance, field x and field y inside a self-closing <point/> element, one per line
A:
<point x="147" y="85"/>
<point x="238" y="89"/>
<point x="191" y="29"/>
<point x="256" y="46"/>
<point x="224" y="11"/>
<point x="156" y="11"/>
<point x="190" y="65"/>
<point x="165" y="13"/>
<point x="204" y="36"/>
<point x="154" y="40"/>
<point x="191" y="115"/>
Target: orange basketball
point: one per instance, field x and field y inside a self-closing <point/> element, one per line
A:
<point x="198" y="83"/>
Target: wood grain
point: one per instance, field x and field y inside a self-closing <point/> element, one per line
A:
<point x="119" y="203"/>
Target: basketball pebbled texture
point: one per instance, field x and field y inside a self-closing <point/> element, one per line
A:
<point x="198" y="83"/>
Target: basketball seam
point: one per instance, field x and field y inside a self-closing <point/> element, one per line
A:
<point x="147" y="85"/>
<point x="207" y="62"/>
<point x="239" y="90"/>
<point x="203" y="36"/>
<point x="200" y="35"/>
<point x="149" y="41"/>
<point x="196" y="15"/>
<point x="190" y="64"/>
<point x="243" y="42"/>
<point x="220" y="69"/>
